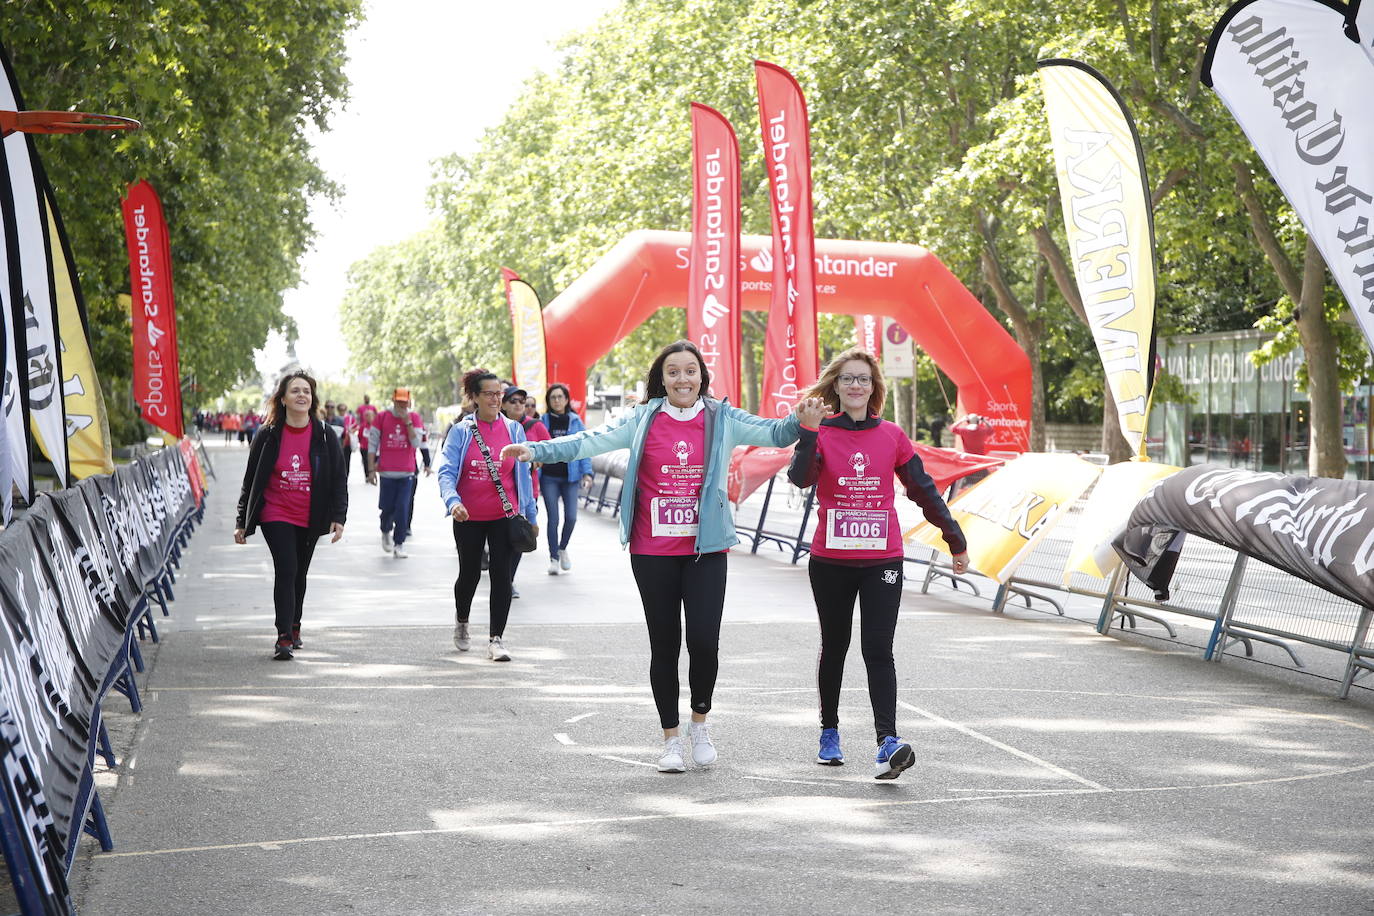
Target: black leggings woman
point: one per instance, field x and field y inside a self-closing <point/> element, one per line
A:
<point x="295" y="491"/>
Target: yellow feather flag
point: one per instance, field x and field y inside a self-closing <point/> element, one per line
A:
<point x="88" y="427"/>
<point x="1110" y="228"/>
<point x="1005" y="516"/>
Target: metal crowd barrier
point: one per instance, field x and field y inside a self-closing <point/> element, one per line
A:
<point x="1246" y="601"/>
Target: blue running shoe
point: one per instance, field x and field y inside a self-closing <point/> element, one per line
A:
<point x="894" y="755"/>
<point x="830" y="754"/>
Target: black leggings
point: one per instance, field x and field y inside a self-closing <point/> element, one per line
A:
<point x="470" y="537"/>
<point x="879" y="590"/>
<point x="292" y="547"/>
<point x="673" y="588"/>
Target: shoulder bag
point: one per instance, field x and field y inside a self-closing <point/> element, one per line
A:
<point x="522" y="536"/>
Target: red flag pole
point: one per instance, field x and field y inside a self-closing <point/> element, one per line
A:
<point x="713" y="290"/>
<point x="791" y="357"/>
<point x="157" y="370"/>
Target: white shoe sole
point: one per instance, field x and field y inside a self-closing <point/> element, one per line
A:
<point x="901" y="759"/>
<point x="671" y="767"/>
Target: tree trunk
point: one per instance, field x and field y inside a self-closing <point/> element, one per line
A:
<point x="1326" y="449"/>
<point x="749" y="381"/>
<point x="1114" y="444"/>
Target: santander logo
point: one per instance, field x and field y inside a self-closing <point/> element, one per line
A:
<point x="712" y="310"/>
<point x="763" y="261"/>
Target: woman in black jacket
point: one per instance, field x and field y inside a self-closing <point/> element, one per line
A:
<point x="295" y="490"/>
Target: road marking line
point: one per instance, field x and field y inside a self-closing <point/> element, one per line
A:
<point x="799" y="782"/>
<point x="1031" y="758"/>
<point x="562" y="738"/>
<point x="585" y="715"/>
<point x="638" y="763"/>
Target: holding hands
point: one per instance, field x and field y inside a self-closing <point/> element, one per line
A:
<point x="810" y="412"/>
<point x="517" y="450"/>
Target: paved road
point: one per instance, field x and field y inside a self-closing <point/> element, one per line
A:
<point x="381" y="772"/>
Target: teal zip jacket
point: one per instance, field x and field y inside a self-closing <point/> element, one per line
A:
<point x="726" y="427"/>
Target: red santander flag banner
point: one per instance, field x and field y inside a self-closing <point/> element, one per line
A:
<point x="157" y="370"/>
<point x="868" y="334"/>
<point x="790" y="356"/>
<point x="713" y="291"/>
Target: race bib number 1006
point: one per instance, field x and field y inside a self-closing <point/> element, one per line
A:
<point x="856" y="529"/>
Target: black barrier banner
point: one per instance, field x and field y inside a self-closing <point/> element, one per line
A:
<point x="49" y="689"/>
<point x="1316" y="528"/>
<point x="45" y="877"/>
<point x="72" y="573"/>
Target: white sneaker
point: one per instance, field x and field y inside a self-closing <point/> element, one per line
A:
<point x="399" y="552"/>
<point x="703" y="751"/>
<point x="671" y="761"/>
<point x="564" y="561"/>
<point x="497" y="652"/>
<point x="387" y="544"/>
<point x="460" y="636"/>
<point x="553" y="567"/>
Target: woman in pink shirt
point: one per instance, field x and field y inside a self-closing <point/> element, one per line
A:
<point x="295" y="491"/>
<point x="851" y="457"/>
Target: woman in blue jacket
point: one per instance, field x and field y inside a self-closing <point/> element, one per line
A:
<point x="675" y="520"/>
<point x="480" y="515"/>
<point x="559" y="480"/>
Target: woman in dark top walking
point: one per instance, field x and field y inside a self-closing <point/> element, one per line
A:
<point x="560" y="480"/>
<point x="294" y="489"/>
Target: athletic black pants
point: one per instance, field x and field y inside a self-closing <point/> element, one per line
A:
<point x="292" y="547"/>
<point x="879" y="590"/>
<point x="674" y="588"/>
<point x="470" y="537"/>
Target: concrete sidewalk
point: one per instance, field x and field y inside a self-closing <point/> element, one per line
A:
<point x="1059" y="771"/>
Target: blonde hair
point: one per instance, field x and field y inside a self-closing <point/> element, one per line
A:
<point x="824" y="388"/>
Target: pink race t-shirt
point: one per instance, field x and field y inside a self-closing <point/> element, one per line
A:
<point x="394" y="451"/>
<point x="287" y="497"/>
<point x="857" y="519"/>
<point x="475" y="488"/>
<point x="672" y="469"/>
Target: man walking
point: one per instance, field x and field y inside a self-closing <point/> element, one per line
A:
<point x="392" y="440"/>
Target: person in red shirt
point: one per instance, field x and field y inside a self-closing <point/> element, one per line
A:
<point x="367" y="416"/>
<point x="294" y="490"/>
<point x="973" y="432"/>
<point x="851" y="457"/>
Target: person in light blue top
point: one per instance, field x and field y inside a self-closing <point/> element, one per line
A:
<point x="676" y="521"/>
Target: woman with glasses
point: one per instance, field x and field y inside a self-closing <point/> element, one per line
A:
<point x="675" y="519"/>
<point x="479" y="512"/>
<point x="560" y="480"/>
<point x="850" y="456"/>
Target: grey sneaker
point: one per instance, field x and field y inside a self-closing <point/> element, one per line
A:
<point x="387" y="544"/>
<point x="671" y="761"/>
<point x="399" y="552"/>
<point x="703" y="751"/>
<point x="564" y="561"/>
<point x="460" y="636"/>
<point x="496" y="651"/>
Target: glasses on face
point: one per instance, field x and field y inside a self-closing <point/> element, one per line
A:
<point x="489" y="394"/>
<point x="863" y="381"/>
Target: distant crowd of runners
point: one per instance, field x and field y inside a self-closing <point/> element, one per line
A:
<point x="501" y="456"/>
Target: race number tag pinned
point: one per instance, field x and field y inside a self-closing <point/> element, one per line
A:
<point x="674" y="516"/>
<point x="856" y="529"/>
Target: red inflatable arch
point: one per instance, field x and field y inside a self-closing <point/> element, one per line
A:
<point x="647" y="271"/>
